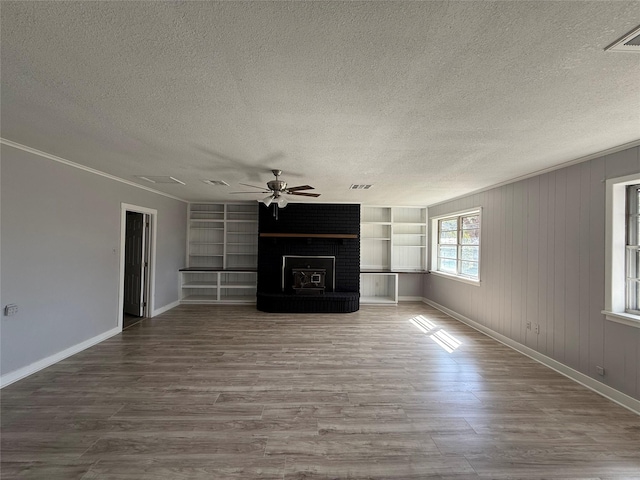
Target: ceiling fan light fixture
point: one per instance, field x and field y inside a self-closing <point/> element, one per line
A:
<point x="278" y="188"/>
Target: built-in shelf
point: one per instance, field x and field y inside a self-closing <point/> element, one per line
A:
<point x="393" y="241"/>
<point x="209" y="285"/>
<point x="222" y="252"/>
<point x="378" y="288"/>
<point x="393" y="238"/>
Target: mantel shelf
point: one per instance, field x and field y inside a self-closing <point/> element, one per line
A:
<point x="309" y="235"/>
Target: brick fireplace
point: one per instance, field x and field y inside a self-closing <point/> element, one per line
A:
<point x="309" y="231"/>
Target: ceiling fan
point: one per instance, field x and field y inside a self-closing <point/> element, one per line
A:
<point x="277" y="188"/>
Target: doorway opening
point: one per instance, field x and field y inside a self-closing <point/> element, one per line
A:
<point x="137" y="261"/>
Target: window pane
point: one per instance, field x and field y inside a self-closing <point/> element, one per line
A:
<point x="447" y="265"/>
<point x="449" y="237"/>
<point x="458" y="245"/>
<point x="633" y="262"/>
<point x="448" y="252"/>
<point x="470" y="253"/>
<point x="448" y="225"/>
<point x="633" y="294"/>
<point x="471" y="237"/>
<point x="632" y="299"/>
<point x="472" y="221"/>
<point x="469" y="268"/>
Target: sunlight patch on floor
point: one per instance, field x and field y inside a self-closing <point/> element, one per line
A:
<point x="444" y="339"/>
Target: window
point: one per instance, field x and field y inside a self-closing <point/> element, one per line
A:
<point x="632" y="253"/>
<point x="457" y="250"/>
<point x="622" y="251"/>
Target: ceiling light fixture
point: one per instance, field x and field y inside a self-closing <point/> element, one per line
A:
<point x="277" y="200"/>
<point x="278" y="188"/>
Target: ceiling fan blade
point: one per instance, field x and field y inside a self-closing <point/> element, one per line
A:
<point x="300" y="187"/>
<point x="252" y="186"/>
<point x="305" y="194"/>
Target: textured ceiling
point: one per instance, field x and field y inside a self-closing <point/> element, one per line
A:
<point x="424" y="100"/>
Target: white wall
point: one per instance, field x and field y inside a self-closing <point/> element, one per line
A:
<point x="543" y="260"/>
<point x="60" y="237"/>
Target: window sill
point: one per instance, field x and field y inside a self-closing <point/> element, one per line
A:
<point x="475" y="283"/>
<point x="623" y="318"/>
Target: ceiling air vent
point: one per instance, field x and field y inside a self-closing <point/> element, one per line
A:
<point x="629" y="43"/>
<point x="160" y="179"/>
<point x="360" y="187"/>
<point x="216" y="183"/>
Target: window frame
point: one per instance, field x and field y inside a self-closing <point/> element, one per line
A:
<point x="632" y="245"/>
<point x="616" y="236"/>
<point x="435" y="244"/>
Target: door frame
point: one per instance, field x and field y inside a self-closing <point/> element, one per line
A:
<point x="149" y="287"/>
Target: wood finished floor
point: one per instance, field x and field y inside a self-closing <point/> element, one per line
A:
<point x="226" y="392"/>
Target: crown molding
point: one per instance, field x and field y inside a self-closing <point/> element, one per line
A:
<point x="55" y="158"/>
<point x="609" y="151"/>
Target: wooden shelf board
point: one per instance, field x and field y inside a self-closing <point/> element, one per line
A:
<point x="309" y="235"/>
<point x="199" y="299"/>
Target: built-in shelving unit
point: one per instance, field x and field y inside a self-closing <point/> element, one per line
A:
<point x="222" y="253"/>
<point x="206" y="235"/>
<point x="375" y="238"/>
<point x="218" y="286"/>
<point x="241" y="235"/>
<point x="409" y="239"/>
<point x="378" y="288"/>
<point x="393" y="240"/>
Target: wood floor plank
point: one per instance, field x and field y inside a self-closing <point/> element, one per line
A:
<point x="227" y="392"/>
<point x="409" y="467"/>
<point x="214" y="467"/>
<point x="55" y="468"/>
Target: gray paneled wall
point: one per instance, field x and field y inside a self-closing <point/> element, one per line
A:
<point x="543" y="261"/>
<point x="60" y="254"/>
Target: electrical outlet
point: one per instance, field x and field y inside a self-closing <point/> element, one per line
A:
<point x="600" y="370"/>
<point x="528" y="325"/>
<point x="10" y="309"/>
<point x="537" y="328"/>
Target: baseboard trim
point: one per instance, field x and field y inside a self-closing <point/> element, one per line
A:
<point x="12" y="377"/>
<point x="166" y="308"/>
<point x="409" y="299"/>
<point x="612" y="394"/>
